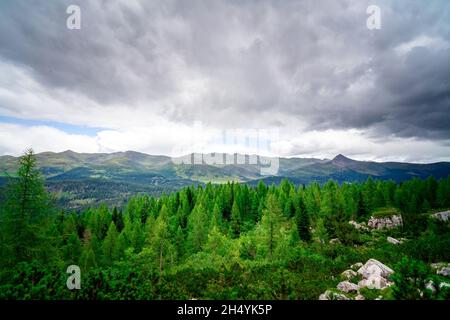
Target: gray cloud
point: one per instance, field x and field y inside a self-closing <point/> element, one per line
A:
<point x="245" y="63"/>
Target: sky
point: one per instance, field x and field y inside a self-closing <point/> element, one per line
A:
<point x="309" y="78"/>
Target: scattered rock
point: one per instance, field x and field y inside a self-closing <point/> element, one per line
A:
<point x="359" y="226"/>
<point x="443" y="216"/>
<point x="444" y="285"/>
<point x="346" y="286"/>
<point x="348" y="274"/>
<point x="330" y="295"/>
<point x="385" y="222"/>
<point x="430" y="286"/>
<point x="324" y="296"/>
<point x="393" y="240"/>
<point x="335" y="241"/>
<point x="360" y="297"/>
<point x="445" y="271"/>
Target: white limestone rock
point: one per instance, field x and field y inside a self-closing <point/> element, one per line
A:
<point x="443" y="215"/>
<point x="347" y="287"/>
<point x="375" y="267"/>
<point x="393" y="240"/>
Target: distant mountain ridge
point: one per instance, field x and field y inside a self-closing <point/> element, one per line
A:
<point x="81" y="178"/>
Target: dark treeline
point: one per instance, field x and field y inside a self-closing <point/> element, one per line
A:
<point x="226" y="241"/>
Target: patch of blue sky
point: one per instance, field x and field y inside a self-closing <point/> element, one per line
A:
<point x="68" y="128"/>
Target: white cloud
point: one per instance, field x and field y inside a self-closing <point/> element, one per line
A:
<point x="177" y="140"/>
<point x="422" y="41"/>
<point x="15" y="139"/>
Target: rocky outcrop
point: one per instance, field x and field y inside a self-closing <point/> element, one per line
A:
<point x="374" y="282"/>
<point x="375" y="275"/>
<point x="347" y="287"/>
<point x="393" y="221"/>
<point x="443" y="215"/>
<point x="375" y="267"/>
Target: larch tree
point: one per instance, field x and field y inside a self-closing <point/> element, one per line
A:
<point x="26" y="212"/>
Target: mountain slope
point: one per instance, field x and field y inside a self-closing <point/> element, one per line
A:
<point x="77" y="176"/>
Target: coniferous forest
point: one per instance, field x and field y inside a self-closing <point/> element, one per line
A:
<point x="223" y="241"/>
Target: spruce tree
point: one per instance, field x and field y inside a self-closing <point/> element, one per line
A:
<point x="302" y="220"/>
<point x="236" y="220"/>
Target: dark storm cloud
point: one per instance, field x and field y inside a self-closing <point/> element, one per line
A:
<point x="257" y="62"/>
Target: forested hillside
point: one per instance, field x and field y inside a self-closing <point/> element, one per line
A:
<point x="81" y="180"/>
<point x="224" y="241"/>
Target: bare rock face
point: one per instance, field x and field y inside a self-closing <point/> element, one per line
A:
<point x="443" y="216"/>
<point x="385" y="222"/>
<point x="348" y="274"/>
<point x="346" y="286"/>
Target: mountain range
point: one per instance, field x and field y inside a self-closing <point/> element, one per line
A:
<point x="81" y="179"/>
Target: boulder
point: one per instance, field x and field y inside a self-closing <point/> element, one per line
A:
<point x="348" y="274"/>
<point x="444" y="285"/>
<point x="324" y="296"/>
<point x="335" y="240"/>
<point x="430" y="286"/>
<point x="393" y="240"/>
<point x="375" y="281"/>
<point x="445" y="271"/>
<point x="347" y="287"/>
<point x="375" y="267"/>
<point x="443" y="215"/>
<point x="360" y="297"/>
